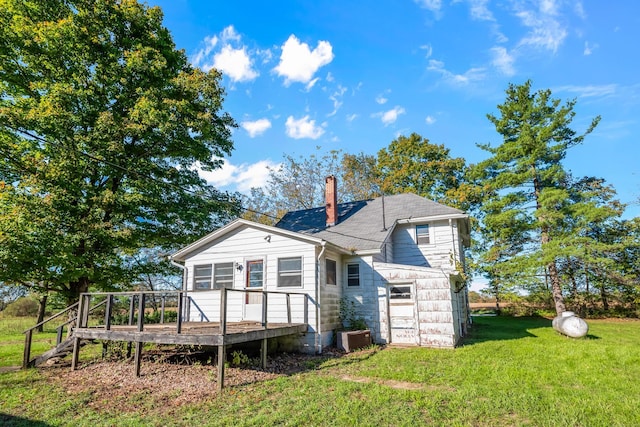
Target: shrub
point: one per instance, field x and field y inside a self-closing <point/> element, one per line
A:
<point x="22" y="307"/>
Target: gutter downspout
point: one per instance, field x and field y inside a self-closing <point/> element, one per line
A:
<point x="318" y="337"/>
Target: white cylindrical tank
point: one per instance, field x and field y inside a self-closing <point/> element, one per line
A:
<point x="570" y="325"/>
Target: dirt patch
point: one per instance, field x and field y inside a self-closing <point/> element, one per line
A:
<point x="113" y="386"/>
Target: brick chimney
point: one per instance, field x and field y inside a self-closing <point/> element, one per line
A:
<point x="331" y="197"/>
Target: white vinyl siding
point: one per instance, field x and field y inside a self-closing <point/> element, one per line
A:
<point x="437" y="254"/>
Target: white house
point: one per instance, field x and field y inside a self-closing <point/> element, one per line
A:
<point x="395" y="261"/>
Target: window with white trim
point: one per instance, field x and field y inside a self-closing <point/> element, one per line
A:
<point x="289" y="272"/>
<point x="223" y="275"/>
<point x="331" y="271"/>
<point x="422" y="234"/>
<point x="353" y="274"/>
<point x="201" y="277"/>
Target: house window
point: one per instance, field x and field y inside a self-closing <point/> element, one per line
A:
<point x="353" y="274"/>
<point x="400" y="292"/>
<point x="255" y="279"/>
<point x="202" y="277"/>
<point x="331" y="271"/>
<point x="255" y="274"/>
<point x="223" y="275"/>
<point x="422" y="234"/>
<point x="290" y="272"/>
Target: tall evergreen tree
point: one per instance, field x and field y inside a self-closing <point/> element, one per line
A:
<point x="528" y="196"/>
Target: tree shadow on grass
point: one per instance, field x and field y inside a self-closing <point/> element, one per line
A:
<point x="498" y="328"/>
<point x="7" y="420"/>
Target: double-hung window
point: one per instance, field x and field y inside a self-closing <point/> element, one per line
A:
<point x="289" y="272"/>
<point x="353" y="274"/>
<point x="223" y="275"/>
<point x="422" y="234"/>
<point x="202" y="277"/>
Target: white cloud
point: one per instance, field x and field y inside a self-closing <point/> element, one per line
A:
<point x="590" y="90"/>
<point x="381" y="99"/>
<point x="298" y="63"/>
<point x="210" y="43"/>
<point x="229" y="33"/>
<point x="471" y="75"/>
<point x="232" y="58"/>
<point x="336" y="98"/>
<point x="546" y="32"/>
<point x="479" y="10"/>
<point x="242" y="177"/>
<point x="303" y="128"/>
<point x="390" y="116"/>
<point x="588" y="49"/>
<point x="502" y="60"/>
<point x="430" y="120"/>
<point x="235" y="63"/>
<point x="433" y="5"/>
<point x="311" y="84"/>
<point x="257" y="127"/>
<point x="428" y="50"/>
<point x="352" y="117"/>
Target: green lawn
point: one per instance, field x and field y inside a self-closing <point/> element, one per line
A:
<point x="510" y="371"/>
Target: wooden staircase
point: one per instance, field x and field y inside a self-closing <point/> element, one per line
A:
<point x="60" y="351"/>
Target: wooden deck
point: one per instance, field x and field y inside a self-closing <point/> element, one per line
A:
<point x="182" y="332"/>
<point x="192" y="333"/>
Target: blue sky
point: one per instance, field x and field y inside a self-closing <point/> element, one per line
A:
<point x="353" y="75"/>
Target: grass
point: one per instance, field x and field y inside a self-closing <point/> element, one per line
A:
<point x="510" y="371"/>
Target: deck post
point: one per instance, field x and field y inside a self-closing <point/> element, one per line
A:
<point x="27" y="349"/>
<point x="141" y="311"/>
<point x="223" y="312"/>
<point x="263" y="353"/>
<point x="132" y="302"/>
<point x="59" y="332"/>
<point x="288" y="307"/>
<point x="221" y="362"/>
<point x="107" y="312"/>
<point x="162" y="300"/>
<point x="264" y="309"/>
<point x="306" y="309"/>
<point x="76" y="354"/>
<point x="138" y="357"/>
<point x="179" y="319"/>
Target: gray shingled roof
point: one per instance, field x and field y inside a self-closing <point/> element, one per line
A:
<point x="360" y="224"/>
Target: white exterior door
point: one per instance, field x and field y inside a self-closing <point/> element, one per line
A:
<point x="254" y="281"/>
<point x="402" y="313"/>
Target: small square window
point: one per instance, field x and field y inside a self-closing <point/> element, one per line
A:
<point x="353" y="274"/>
<point x="422" y="234"/>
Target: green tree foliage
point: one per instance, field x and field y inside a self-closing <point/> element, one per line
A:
<point x="103" y="124"/>
<point x="531" y="209"/>
<point x="414" y="165"/>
